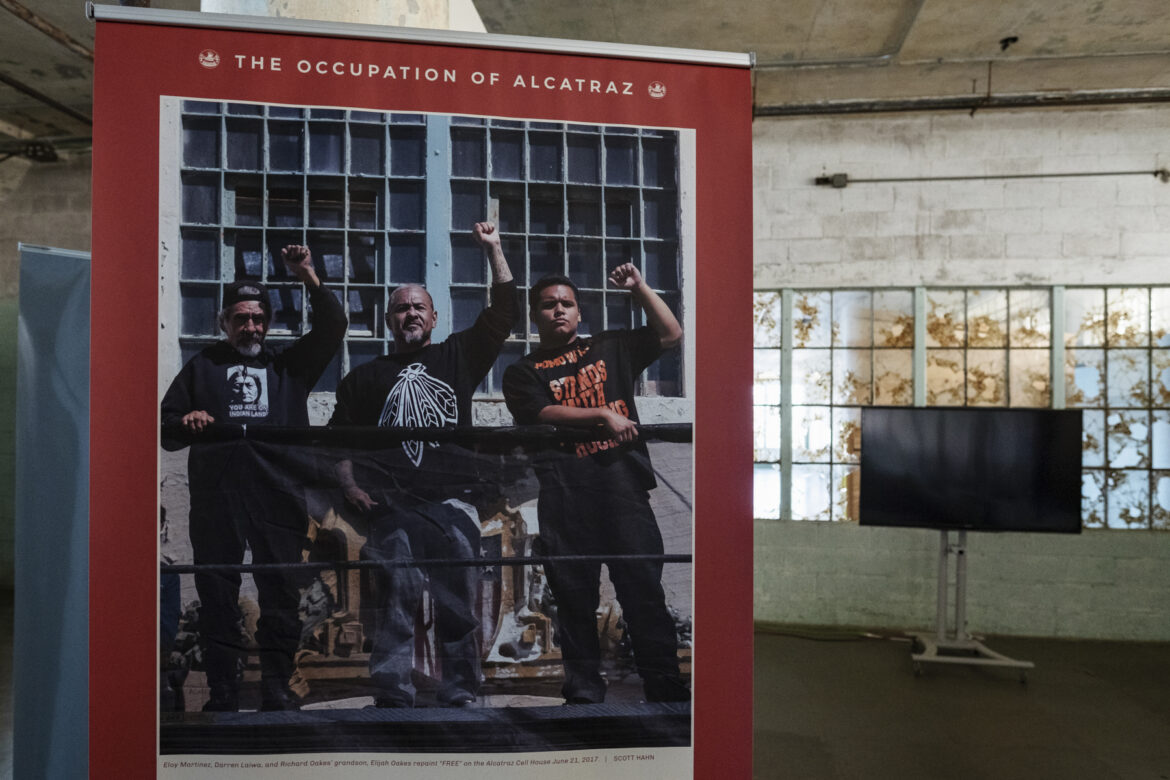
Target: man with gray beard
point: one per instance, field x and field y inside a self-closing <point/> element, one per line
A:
<point x="237" y="499"/>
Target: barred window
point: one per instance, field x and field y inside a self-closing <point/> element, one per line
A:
<point x="383" y="199"/>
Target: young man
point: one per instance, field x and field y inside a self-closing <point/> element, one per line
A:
<point x="236" y="501"/>
<point x="416" y="495"/>
<point x="594" y="499"/>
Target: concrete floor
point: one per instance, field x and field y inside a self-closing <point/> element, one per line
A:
<point x="833" y="706"/>
<point x="828" y="707"/>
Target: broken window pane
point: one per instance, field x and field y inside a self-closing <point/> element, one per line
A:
<point x="811" y="496"/>
<point x="944" y="377"/>
<point x="945" y="318"/>
<point x="1029" y="378"/>
<point x="1160" y="500"/>
<point x="811" y="376"/>
<point x="986" y="377"/>
<point x="893" y="318"/>
<point x="893" y="377"/>
<point x="1093" y="437"/>
<point x="1129" y="314"/>
<point x="852" y="376"/>
<point x="852" y="318"/>
<point x="810" y="320"/>
<point x="1129" y="439"/>
<point x="766" y="381"/>
<point x="987" y="318"/>
<point x="1093" y="499"/>
<point x="812" y="435"/>
<point x="1127" y="499"/>
<point x="1160" y="316"/>
<point x="766" y="316"/>
<point x="766" y="423"/>
<point x="1160" y="439"/>
<point x="1161" y="376"/>
<point x="1128" y="378"/>
<point x="766" y="491"/>
<point x="1084" y="377"/>
<point x="1031" y="320"/>
<point x="846" y="435"/>
<point x="847" y="489"/>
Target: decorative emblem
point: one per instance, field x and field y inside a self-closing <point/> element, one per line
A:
<point x="209" y="58"/>
<point x="657" y="89"/>
<point x="418" y="400"/>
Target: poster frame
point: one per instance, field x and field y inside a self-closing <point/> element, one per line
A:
<point x="124" y="431"/>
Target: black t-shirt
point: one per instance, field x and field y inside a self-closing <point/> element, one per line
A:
<point x="430" y="387"/>
<point x="588" y="373"/>
<point x="269" y="389"/>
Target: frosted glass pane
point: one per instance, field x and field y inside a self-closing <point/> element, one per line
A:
<point x="811" y="324"/>
<point x="1127" y="323"/>
<point x="945" y="318"/>
<point x="987" y="318"/>
<point x="766" y="491"/>
<point x="766" y="308"/>
<point x="986" y="377"/>
<point x="1031" y="318"/>
<point x="944" y="377"/>
<point x="1030" y="384"/>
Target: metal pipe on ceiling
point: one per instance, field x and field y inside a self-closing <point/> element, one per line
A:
<point x="842" y="180"/>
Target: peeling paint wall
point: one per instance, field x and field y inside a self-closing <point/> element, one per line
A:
<point x="1112" y="230"/>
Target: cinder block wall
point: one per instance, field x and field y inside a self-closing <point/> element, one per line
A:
<point x="1108" y="230"/>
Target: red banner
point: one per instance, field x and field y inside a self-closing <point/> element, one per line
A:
<point x="155" y="87"/>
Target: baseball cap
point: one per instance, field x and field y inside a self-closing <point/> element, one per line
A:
<point x="246" y="291"/>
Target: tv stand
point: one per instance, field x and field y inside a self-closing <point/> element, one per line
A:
<point x="943" y="647"/>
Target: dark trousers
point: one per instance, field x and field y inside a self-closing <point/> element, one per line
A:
<point x="596" y="511"/>
<point x="273" y="522"/>
<point x="429" y="530"/>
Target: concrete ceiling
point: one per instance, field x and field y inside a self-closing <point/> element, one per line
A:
<point x="793" y="31"/>
<point x="824" y="56"/>
<point x="46" y="70"/>
<point x="811" y="55"/>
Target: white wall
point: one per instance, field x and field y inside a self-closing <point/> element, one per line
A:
<point x="1106" y="230"/>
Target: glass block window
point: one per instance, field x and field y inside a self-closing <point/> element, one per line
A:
<point x="383" y="199"/>
<point x="820" y="355"/>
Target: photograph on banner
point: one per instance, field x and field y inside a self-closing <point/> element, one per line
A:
<point x="331" y="282"/>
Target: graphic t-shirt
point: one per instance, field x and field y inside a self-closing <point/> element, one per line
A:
<point x="589" y="373"/>
<point x="430" y="387"/>
<point x="271" y="388"/>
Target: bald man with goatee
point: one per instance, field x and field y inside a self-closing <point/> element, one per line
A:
<point x="415" y="496"/>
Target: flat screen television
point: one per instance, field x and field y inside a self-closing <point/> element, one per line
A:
<point x="974" y="469"/>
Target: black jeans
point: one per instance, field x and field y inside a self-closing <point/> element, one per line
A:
<point x="589" y="509"/>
